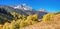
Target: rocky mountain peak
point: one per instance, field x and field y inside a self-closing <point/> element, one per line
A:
<point x="42" y="10"/>
<point x="23" y="7"/>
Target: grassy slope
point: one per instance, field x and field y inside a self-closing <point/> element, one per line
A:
<point x="53" y="24"/>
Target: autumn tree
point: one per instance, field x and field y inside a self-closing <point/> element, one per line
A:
<point x="6" y="25"/>
<point x="47" y="17"/>
<point x="35" y="17"/>
<point x="1" y="26"/>
<point x="30" y="17"/>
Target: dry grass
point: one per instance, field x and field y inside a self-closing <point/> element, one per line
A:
<point x="54" y="23"/>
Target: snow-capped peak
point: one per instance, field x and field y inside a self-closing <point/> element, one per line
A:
<point x="42" y="10"/>
<point x="18" y="7"/>
<point x="24" y="4"/>
<point x="23" y="7"/>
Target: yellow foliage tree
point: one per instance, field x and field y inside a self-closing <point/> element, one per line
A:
<point x="30" y="17"/>
<point x="13" y="13"/>
<point x="24" y="17"/>
<point x="47" y="17"/>
<point x="6" y="25"/>
<point x="29" y="22"/>
<point x="1" y="26"/>
<point x="14" y="25"/>
<point x="35" y="17"/>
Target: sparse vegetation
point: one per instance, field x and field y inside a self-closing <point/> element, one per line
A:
<point x="20" y="21"/>
<point x="47" y="17"/>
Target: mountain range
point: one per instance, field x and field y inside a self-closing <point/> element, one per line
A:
<point x="21" y="9"/>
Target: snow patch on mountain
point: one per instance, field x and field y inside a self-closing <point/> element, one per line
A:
<point x="23" y="7"/>
<point x="42" y="10"/>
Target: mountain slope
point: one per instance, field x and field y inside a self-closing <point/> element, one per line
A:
<point x="11" y="9"/>
<point x="40" y="14"/>
<point x="54" y="24"/>
<point x="21" y="11"/>
<point x="5" y="13"/>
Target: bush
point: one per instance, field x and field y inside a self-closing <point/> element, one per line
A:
<point x="33" y="17"/>
<point x="6" y="25"/>
<point x="30" y="22"/>
<point x="30" y="17"/>
<point x="14" y="25"/>
<point x="17" y="24"/>
<point x="1" y="26"/>
<point x="20" y="21"/>
<point x="47" y="17"/>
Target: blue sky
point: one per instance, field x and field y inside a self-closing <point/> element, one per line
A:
<point x="48" y="5"/>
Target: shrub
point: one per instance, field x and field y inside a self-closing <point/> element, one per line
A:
<point x="14" y="25"/>
<point x="22" y="23"/>
<point x="1" y="26"/>
<point x="17" y="24"/>
<point x="30" y="17"/>
<point x="33" y="17"/>
<point x="47" y="17"/>
<point x="6" y="25"/>
<point x="29" y="22"/>
<point x="24" y="17"/>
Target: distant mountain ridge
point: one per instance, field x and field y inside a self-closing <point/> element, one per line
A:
<point x="23" y="7"/>
<point x="26" y="12"/>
